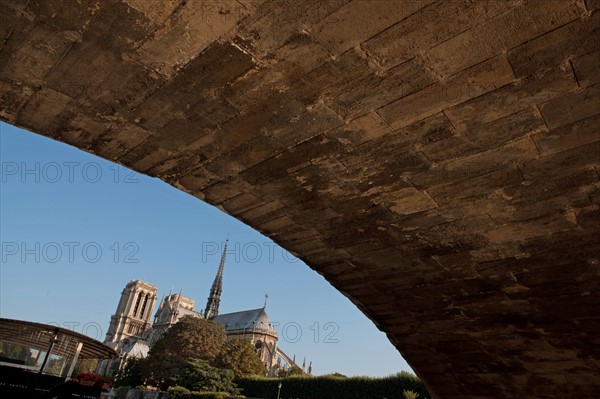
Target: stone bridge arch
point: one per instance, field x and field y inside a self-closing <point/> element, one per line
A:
<point x="436" y="161"/>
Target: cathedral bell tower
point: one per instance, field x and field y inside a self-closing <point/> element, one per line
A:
<point x="214" y="298"/>
<point x="134" y="313"/>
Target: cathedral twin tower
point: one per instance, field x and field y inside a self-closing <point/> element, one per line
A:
<point x="129" y="319"/>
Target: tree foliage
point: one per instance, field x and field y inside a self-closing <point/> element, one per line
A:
<point x="16" y="352"/>
<point x="410" y="395"/>
<point x="408" y="376"/>
<point x="238" y="356"/>
<point x="335" y="375"/>
<point x="54" y="366"/>
<point x="131" y="373"/>
<point x="292" y="371"/>
<point x="85" y="366"/>
<point x="199" y="375"/>
<point x="190" y="337"/>
<point x="183" y="393"/>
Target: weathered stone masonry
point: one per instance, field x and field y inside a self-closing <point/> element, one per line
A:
<point x="436" y="161"/>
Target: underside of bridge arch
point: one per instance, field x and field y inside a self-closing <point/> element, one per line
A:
<point x="436" y="161"/>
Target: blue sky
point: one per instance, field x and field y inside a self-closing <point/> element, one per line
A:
<point x="75" y="229"/>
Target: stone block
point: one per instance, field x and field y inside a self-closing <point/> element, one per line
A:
<point x="512" y="98"/>
<point x="83" y="131"/>
<point x="587" y="68"/>
<point x="571" y="108"/>
<point x="425" y="131"/>
<point x="86" y="65"/>
<point x="146" y="156"/>
<point x="376" y="91"/>
<point x="179" y="164"/>
<point x="592" y="5"/>
<point x="263" y="213"/>
<point x="271" y="26"/>
<point x="214" y="110"/>
<point x="304" y="126"/>
<point x="528" y="195"/>
<point x="188" y="32"/>
<point x="480" y="186"/>
<point x="241" y="203"/>
<point x="196" y="181"/>
<point x="501" y="33"/>
<point x="127" y="85"/>
<point x="179" y="133"/>
<point x="428" y="27"/>
<point x="476" y="165"/>
<point x="298" y="56"/>
<point x="365" y="128"/>
<point x="579" y="133"/>
<point x="450" y="148"/>
<point x="522" y="123"/>
<point x="158" y="12"/>
<point x="221" y="191"/>
<point x="67" y="15"/>
<point x="197" y="89"/>
<point x="527" y="229"/>
<point x="555" y="48"/>
<point x="44" y="111"/>
<point x="14" y="23"/>
<point x="12" y="98"/>
<point x="243" y="128"/>
<point x="466" y="85"/>
<point x="563" y="162"/>
<point x="350" y="25"/>
<point x="408" y="200"/>
<point x="38" y="52"/>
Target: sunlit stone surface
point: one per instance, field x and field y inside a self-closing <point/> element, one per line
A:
<point x="436" y="161"/>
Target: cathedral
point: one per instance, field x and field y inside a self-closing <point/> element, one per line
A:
<point x="132" y="331"/>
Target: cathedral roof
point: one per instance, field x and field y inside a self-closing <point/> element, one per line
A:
<point x="138" y="349"/>
<point x="255" y="319"/>
<point x="187" y="312"/>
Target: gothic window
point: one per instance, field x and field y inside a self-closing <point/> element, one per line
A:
<point x="137" y="303"/>
<point x="144" y="306"/>
<point x="258" y="348"/>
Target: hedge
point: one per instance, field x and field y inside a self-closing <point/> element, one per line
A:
<point x="178" y="392"/>
<point x="327" y="387"/>
<point x="204" y="395"/>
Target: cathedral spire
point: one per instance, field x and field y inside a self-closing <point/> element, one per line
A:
<point x="212" y="305"/>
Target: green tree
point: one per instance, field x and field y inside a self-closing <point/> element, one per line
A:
<point x="191" y="337"/>
<point x="410" y="395"/>
<point x="55" y="365"/>
<point x="294" y="370"/>
<point x="16" y="352"/>
<point x="131" y="373"/>
<point x="199" y="375"/>
<point x="238" y="356"/>
<point x="335" y="375"/>
<point x="85" y="366"/>
<point x="408" y="376"/>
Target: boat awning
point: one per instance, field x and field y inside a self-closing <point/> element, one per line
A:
<point x="38" y="336"/>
